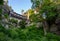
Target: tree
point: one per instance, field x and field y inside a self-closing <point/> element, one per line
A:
<point x="47" y="11"/>
<point x="22" y="11"/>
<point x="30" y="12"/>
<point x="1" y="2"/>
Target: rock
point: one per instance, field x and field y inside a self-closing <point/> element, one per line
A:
<point x="53" y="28"/>
<point x="39" y="24"/>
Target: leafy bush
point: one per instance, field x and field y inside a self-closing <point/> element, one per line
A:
<point x="30" y="33"/>
<point x="2" y="36"/>
<point x="1" y="2"/>
<point x="6" y="15"/>
<point x="13" y="21"/>
<point x="22" y="24"/>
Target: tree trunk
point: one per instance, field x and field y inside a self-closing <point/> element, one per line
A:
<point x="45" y="27"/>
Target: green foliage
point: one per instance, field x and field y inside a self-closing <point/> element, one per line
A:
<point x="47" y="11"/>
<point x="46" y="7"/>
<point x="0" y="11"/>
<point x="35" y="17"/>
<point x="22" y="24"/>
<point x="53" y="37"/>
<point x="1" y="2"/>
<point x="13" y="21"/>
<point x="0" y="14"/>
<point x="1" y="28"/>
<point x="13" y="33"/>
<point x="35" y="3"/>
<point x="31" y="33"/>
<point x="30" y="12"/>
<point x="6" y="15"/>
<point x="2" y="36"/>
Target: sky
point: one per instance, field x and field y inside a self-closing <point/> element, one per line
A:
<point x="18" y="5"/>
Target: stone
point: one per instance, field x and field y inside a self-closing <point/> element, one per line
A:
<point x="53" y="28"/>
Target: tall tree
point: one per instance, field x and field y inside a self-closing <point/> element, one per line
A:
<point x="47" y="11"/>
<point x="1" y="3"/>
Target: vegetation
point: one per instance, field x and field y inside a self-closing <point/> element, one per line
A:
<point x="48" y="14"/>
<point x="1" y="2"/>
<point x="13" y="21"/>
<point x="28" y="34"/>
<point x="22" y="24"/>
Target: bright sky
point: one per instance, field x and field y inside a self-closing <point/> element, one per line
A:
<point x="18" y="5"/>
